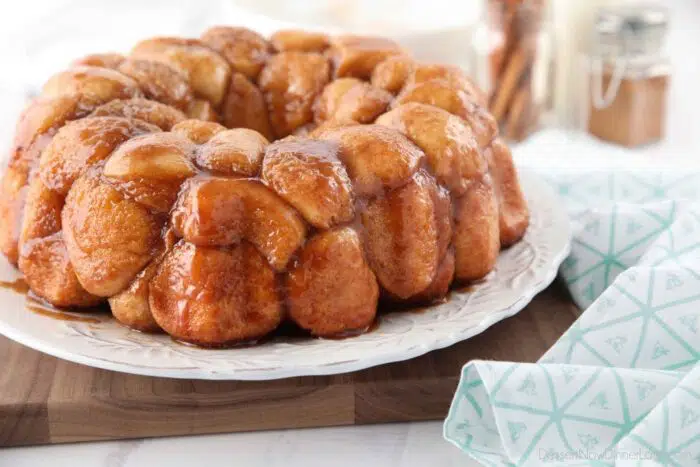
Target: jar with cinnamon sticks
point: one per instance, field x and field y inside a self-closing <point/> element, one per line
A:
<point x="629" y="75"/>
<point x="519" y="64"/>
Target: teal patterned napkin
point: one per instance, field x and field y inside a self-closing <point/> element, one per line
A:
<point x="622" y="385"/>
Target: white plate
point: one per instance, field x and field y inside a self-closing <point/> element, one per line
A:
<point x="522" y="271"/>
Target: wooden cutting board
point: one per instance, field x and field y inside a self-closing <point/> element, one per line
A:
<point x="47" y="400"/>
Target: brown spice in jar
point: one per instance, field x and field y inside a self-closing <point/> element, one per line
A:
<point x="636" y="116"/>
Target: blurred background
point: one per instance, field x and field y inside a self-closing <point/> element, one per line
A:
<point x="614" y="78"/>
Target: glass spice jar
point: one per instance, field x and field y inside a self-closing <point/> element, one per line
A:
<point x="516" y="67"/>
<point x="629" y="75"/>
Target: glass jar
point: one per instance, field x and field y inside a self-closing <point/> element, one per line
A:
<point x="514" y="52"/>
<point x="628" y="75"/>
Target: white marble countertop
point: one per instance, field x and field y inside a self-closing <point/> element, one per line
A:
<point x="391" y="445"/>
<point x="23" y="27"/>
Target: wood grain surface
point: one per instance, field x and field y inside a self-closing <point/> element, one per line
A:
<point x="47" y="400"/>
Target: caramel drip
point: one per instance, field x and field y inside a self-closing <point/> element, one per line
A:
<point x="35" y="306"/>
<point x="353" y="332"/>
<point x="19" y="286"/>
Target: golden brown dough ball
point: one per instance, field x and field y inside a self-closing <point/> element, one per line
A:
<point x="246" y="50"/>
<point x="391" y="74"/>
<point x="198" y="131"/>
<point x="331" y="289"/>
<point x="290" y="83"/>
<point x="109" y="238"/>
<point x="161" y="115"/>
<point x="245" y="107"/>
<point x="476" y="232"/>
<point x="317" y="131"/>
<point x="159" y="82"/>
<point x="93" y="84"/>
<point x="304" y="41"/>
<point x="39" y="121"/>
<point x="309" y="175"/>
<point x="483" y="125"/>
<point x="106" y="60"/>
<point x="401" y="236"/>
<point x="440" y="286"/>
<point x="453" y="75"/>
<point x="451" y="150"/>
<point x="444" y="274"/>
<point x="220" y="211"/>
<point x="327" y="102"/>
<point x="350" y="99"/>
<point x="43" y="258"/>
<point x="130" y="306"/>
<point x="207" y="72"/>
<point x="375" y="157"/>
<point x="81" y="144"/>
<point x="440" y="93"/>
<point x="49" y="272"/>
<point x="357" y="56"/>
<point x="201" y="109"/>
<point x="514" y="215"/>
<point x="150" y="168"/>
<point x="42" y="211"/>
<point x="13" y="189"/>
<point x="215" y="296"/>
<point x="233" y="152"/>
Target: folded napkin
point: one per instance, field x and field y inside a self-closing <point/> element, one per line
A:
<point x="622" y="385"/>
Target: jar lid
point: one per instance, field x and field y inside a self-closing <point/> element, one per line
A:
<point x="631" y="30"/>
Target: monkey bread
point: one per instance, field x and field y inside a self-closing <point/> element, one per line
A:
<point x="215" y="188"/>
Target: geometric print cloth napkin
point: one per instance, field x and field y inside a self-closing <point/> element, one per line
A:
<point x="621" y="386"/>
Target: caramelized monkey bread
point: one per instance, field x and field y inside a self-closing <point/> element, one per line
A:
<point x="215" y="187"/>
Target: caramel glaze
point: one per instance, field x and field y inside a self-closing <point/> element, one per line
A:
<point x="411" y="166"/>
<point x="37" y="306"/>
<point x="222" y="346"/>
<point x="18" y="285"/>
<point x="287" y="331"/>
<point x="465" y="288"/>
<point x="355" y="332"/>
<point x="387" y="306"/>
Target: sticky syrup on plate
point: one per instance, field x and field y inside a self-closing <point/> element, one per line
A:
<point x="224" y="346"/>
<point x="19" y="286"/>
<point x="350" y="333"/>
<point x="35" y="305"/>
<point x="286" y="331"/>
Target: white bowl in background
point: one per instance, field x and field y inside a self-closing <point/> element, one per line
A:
<point x="438" y="30"/>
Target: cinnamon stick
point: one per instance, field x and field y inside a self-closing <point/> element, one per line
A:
<point x="519" y="112"/>
<point x="517" y="66"/>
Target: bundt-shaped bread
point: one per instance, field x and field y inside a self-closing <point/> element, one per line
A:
<point x="214" y="188"/>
